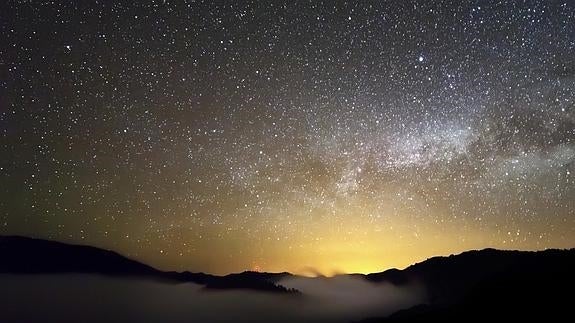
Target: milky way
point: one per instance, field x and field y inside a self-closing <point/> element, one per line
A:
<point x="338" y="136"/>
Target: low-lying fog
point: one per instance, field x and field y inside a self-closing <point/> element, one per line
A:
<point x="92" y="298"/>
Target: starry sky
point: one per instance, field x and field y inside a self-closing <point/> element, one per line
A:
<point x="301" y="136"/>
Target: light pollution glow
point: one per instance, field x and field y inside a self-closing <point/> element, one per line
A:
<point x="294" y="136"/>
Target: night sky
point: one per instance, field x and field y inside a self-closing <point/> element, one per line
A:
<point x="302" y="136"/>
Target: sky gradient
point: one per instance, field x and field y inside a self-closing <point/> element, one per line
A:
<point x="300" y="136"/>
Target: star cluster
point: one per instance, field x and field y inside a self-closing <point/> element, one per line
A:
<point x="339" y="135"/>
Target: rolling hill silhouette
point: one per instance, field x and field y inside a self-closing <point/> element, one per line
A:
<point x="27" y="255"/>
<point x="475" y="285"/>
<point x="21" y="255"/>
<point x="488" y="284"/>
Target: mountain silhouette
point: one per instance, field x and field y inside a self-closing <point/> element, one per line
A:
<point x="488" y="284"/>
<point x="22" y="255"/>
<point x="475" y="285"/>
<point x="27" y="255"/>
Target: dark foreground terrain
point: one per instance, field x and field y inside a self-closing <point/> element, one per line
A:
<point x="489" y="285"/>
<point x="46" y="281"/>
